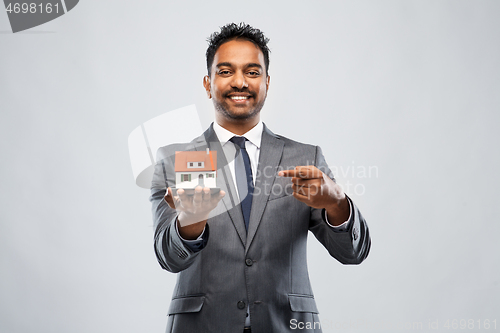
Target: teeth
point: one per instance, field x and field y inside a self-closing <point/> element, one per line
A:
<point x="239" y="97"/>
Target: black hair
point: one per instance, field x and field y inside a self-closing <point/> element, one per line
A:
<point x="233" y="31"/>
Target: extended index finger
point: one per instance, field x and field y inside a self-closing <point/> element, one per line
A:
<point x="304" y="172"/>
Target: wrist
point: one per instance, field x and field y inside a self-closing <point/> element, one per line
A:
<point x="338" y="211"/>
<point x="336" y="203"/>
<point x="186" y="219"/>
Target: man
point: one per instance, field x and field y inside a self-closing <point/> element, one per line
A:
<point x="241" y="253"/>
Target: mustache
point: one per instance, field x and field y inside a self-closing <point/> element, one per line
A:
<point x="237" y="90"/>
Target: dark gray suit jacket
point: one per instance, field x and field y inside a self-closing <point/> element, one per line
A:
<point x="265" y="268"/>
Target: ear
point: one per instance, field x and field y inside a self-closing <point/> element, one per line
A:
<point x="268" y="80"/>
<point x="206" y="84"/>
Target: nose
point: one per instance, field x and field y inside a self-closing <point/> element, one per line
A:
<point x="239" y="81"/>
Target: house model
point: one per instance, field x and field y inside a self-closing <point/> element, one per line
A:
<point x="193" y="168"/>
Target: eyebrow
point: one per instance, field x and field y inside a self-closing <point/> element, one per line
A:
<point x="254" y="65"/>
<point x="228" y="64"/>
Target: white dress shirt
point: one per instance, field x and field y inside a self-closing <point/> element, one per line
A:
<point x="252" y="145"/>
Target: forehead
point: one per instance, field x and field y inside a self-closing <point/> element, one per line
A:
<point x="239" y="53"/>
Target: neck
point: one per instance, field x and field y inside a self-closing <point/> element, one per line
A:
<point x="238" y="127"/>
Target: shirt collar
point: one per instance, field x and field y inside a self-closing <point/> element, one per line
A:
<point x="254" y="135"/>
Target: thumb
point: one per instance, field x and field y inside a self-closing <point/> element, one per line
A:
<point x="169" y="198"/>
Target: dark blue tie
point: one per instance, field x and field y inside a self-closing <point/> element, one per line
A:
<point x="244" y="179"/>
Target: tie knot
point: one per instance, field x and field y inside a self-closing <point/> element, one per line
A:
<point x="239" y="140"/>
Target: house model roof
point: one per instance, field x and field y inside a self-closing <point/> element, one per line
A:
<point x="182" y="158"/>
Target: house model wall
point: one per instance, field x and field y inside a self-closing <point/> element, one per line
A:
<point x="193" y="168"/>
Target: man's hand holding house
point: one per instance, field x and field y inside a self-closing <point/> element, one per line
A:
<point x="194" y="167"/>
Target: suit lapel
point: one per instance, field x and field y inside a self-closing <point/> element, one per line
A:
<point x="271" y="149"/>
<point x="225" y="182"/>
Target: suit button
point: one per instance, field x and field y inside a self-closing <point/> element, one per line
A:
<point x="241" y="305"/>
<point x="249" y="262"/>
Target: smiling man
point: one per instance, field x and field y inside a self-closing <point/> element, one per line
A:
<point x="241" y="253"/>
<point x="238" y="83"/>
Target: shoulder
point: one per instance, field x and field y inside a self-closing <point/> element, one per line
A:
<point x="294" y="150"/>
<point x="291" y="144"/>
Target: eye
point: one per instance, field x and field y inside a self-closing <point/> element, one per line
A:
<point x="224" y="72"/>
<point x="253" y="73"/>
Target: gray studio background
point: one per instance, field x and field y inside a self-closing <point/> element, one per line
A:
<point x="408" y="90"/>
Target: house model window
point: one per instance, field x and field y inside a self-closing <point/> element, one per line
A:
<point x="195" y="165"/>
